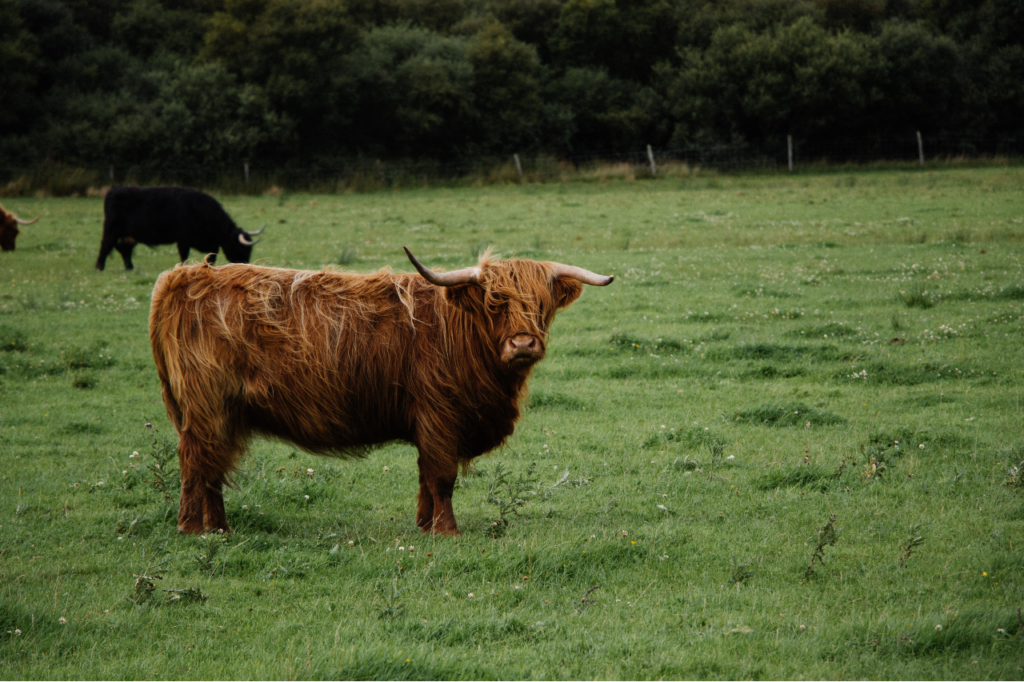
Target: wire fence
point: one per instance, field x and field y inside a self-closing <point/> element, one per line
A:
<point x="783" y="154"/>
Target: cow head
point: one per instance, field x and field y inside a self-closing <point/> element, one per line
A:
<point x="9" y="228"/>
<point x="238" y="247"/>
<point x="514" y="301"/>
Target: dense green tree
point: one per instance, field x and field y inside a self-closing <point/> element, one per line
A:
<point x="506" y="90"/>
<point x="923" y="79"/>
<point x="292" y="49"/>
<point x="412" y="94"/>
<point x="19" y="64"/>
<point x="624" y="37"/>
<point x="796" y="79"/>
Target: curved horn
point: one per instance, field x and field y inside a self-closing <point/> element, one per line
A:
<point x="585" y="276"/>
<point x="445" y="279"/>
<point x="25" y="222"/>
<point x="257" y="232"/>
<point x="246" y="242"/>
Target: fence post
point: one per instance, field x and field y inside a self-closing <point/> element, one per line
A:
<point x="650" y="156"/>
<point x="519" y="166"/>
<point x="789" y="151"/>
<point x="920" y="149"/>
<point x="246" y="167"/>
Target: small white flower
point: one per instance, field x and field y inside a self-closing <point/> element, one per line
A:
<point x="625" y="534"/>
<point x="351" y="543"/>
<point x="802" y="628"/>
<point x="401" y="549"/>
<point x="309" y="472"/>
<point x="385" y="470"/>
<point x="593" y="537"/>
<point x="134" y="455"/>
<point x="17" y="631"/>
<point x="921" y="446"/>
<point x="306" y="496"/>
<point x="938" y="627"/>
<point x="664" y="495"/>
<point x="245" y="506"/>
<point x="63" y="620"/>
<point x="120" y="538"/>
<point x="517" y="587"/>
<point x="662" y="507"/>
<point x="99" y="483"/>
<point x="999" y="630"/>
<point x="124" y="472"/>
<point x="470" y="595"/>
<point x="731" y="457"/>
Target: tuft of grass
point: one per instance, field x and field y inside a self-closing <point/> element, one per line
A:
<point x="805" y="476"/>
<point x="12" y="339"/>
<point x="347" y="256"/>
<point x="917" y="295"/>
<point x="561" y="401"/>
<point x="787" y="414"/>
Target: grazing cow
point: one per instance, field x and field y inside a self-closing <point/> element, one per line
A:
<point x="168" y="215"/>
<point x="337" y="363"/>
<point x="9" y="228"/>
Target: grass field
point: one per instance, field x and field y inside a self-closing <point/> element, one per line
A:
<point x="782" y="444"/>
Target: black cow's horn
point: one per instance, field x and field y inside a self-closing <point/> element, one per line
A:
<point x="445" y="279"/>
<point x="25" y="222"/>
<point x="257" y="232"/>
<point x="246" y="242"/>
<point x="585" y="276"/>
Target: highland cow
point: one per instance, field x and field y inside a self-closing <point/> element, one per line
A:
<point x="9" y="228"/>
<point x="170" y="215"/>
<point x="337" y="363"/>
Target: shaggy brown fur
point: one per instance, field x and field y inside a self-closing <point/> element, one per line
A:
<point x="338" y="362"/>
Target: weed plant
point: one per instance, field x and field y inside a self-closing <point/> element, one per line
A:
<point x="694" y="425"/>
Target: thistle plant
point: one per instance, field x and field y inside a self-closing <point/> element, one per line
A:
<point x="508" y="494"/>
<point x="827" y="536"/>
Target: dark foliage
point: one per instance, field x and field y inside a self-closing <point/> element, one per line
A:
<point x="175" y="86"/>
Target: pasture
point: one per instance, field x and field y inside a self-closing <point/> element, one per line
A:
<point x="784" y="443"/>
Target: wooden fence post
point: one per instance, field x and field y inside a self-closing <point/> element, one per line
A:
<point x="920" y="149"/>
<point x="789" y="151"/>
<point x="650" y="156"/>
<point x="519" y="166"/>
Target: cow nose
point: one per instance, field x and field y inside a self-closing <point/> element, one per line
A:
<point x="523" y="343"/>
<point x="522" y="347"/>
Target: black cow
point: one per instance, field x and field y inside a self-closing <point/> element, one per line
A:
<point x="168" y="215"/>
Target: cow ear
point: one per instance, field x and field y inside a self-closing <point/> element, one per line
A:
<point x="469" y="297"/>
<point x="565" y="290"/>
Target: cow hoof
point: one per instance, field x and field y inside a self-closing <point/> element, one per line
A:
<point x="451" y="532"/>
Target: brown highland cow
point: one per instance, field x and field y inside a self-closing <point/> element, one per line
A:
<point x="337" y="363"/>
<point x="9" y="228"/>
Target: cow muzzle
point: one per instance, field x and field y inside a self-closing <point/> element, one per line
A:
<point x="522" y="350"/>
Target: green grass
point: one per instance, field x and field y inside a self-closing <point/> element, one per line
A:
<point x="753" y="369"/>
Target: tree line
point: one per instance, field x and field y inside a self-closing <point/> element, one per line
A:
<point x="178" y="83"/>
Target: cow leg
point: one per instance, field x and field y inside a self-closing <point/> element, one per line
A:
<point x="183" y="251"/>
<point x="439" y="479"/>
<point x="202" y="489"/>
<point x="125" y="248"/>
<point x="425" y="506"/>
<point x="214" y="516"/>
<point x="106" y="246"/>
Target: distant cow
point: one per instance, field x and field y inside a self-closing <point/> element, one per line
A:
<point x="337" y="363"/>
<point x="9" y="228"/>
<point x="169" y="215"/>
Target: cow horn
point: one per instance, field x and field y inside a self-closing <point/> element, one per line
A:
<point x="246" y="242"/>
<point x="25" y="222"/>
<point x="257" y="232"/>
<point x="445" y="279"/>
<point x="585" y="276"/>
